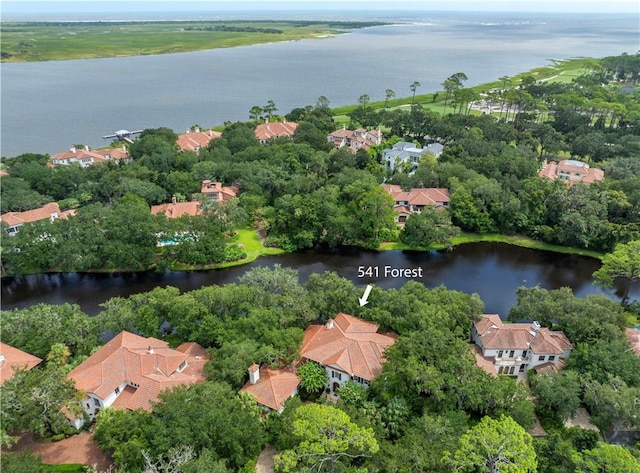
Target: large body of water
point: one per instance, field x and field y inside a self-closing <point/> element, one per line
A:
<point x="48" y="106"/>
<point x="492" y="270"/>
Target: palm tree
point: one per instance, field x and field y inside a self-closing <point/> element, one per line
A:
<point x="413" y="87"/>
<point x="389" y="94"/>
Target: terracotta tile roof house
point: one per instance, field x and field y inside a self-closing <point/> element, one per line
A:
<point x="571" y="171"/>
<point x="349" y="348"/>
<point x="266" y="131"/>
<point x="404" y="153"/>
<point x="216" y="191"/>
<point x="12" y="359"/>
<point x="416" y="199"/>
<point x="272" y="387"/>
<point x="195" y="140"/>
<point x="88" y="157"/>
<point x="516" y="348"/>
<point x="355" y="140"/>
<point x="130" y="371"/>
<point x="177" y="209"/>
<point x="49" y="211"/>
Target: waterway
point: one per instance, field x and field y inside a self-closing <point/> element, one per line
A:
<point x="48" y="106"/>
<point x="492" y="270"/>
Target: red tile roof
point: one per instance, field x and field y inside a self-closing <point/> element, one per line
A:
<point x="177" y="209"/>
<point x="216" y="188"/>
<point x="572" y="170"/>
<point x="522" y="336"/>
<point x="487" y="363"/>
<point x="266" y="131"/>
<point x="47" y="211"/>
<point x="12" y="359"/>
<point x="87" y="156"/>
<point x="436" y="196"/>
<point x="194" y="140"/>
<point x="146" y="362"/>
<point x="349" y="344"/>
<point x="274" y="386"/>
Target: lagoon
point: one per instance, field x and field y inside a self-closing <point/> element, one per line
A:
<point x="493" y="270"/>
<point x="48" y="106"/>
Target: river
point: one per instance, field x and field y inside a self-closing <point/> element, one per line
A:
<point x="493" y="270"/>
<point x="48" y="106"/>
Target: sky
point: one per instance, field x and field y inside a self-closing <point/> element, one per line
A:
<point x="578" y="6"/>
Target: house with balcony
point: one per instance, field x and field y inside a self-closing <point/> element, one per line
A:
<point x="510" y="349"/>
<point x="50" y="211"/>
<point x="130" y="371"/>
<point x="355" y="140"/>
<point x="13" y="359"/>
<point x="415" y="200"/>
<point x="571" y="172"/>
<point x="406" y="156"/>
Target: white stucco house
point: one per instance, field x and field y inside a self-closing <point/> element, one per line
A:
<point x="405" y="155"/>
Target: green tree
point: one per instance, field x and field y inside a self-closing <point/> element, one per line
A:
<point x="495" y="446"/>
<point x="388" y="95"/>
<point x="557" y="394"/>
<point x="313" y="377"/>
<point x="413" y="87"/>
<point x="623" y="262"/>
<point x="255" y="113"/>
<point x="431" y="226"/>
<point x="609" y="458"/>
<point x="327" y="440"/>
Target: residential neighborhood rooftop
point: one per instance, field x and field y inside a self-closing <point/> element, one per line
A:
<point x="266" y="131"/>
<point x="271" y="386"/>
<point x="196" y="139"/>
<point x="12" y="359"/>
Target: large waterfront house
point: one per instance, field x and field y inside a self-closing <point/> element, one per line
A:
<point x="415" y="200"/>
<point x="85" y="156"/>
<point x="195" y="140"/>
<point x="355" y="140"/>
<point x="511" y="349"/>
<point x="571" y="172"/>
<point x="50" y="211"/>
<point x="129" y="372"/>
<point x="177" y="209"/>
<point x="348" y="348"/>
<point x="268" y="131"/>
<point x="13" y="359"/>
<point x="406" y="156"/>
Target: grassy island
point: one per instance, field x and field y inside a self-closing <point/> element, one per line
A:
<point x="52" y="41"/>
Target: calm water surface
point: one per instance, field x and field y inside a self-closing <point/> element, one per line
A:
<point x="494" y="271"/>
<point x="48" y="106"/>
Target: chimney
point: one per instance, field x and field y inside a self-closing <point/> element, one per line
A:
<point x="254" y="373"/>
<point x="150" y="350"/>
<point x="174" y="200"/>
<point x="535" y="326"/>
<point x="197" y="129"/>
<point x="72" y="149"/>
<point x="329" y="324"/>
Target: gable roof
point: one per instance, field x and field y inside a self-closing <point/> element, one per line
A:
<point x="349" y="344"/>
<point x="266" y="131"/>
<point x="216" y="188"/>
<point x="274" y="386"/>
<point x="47" y="211"/>
<point x="435" y="196"/>
<point x="12" y="359"/>
<point x="85" y="155"/>
<point x="194" y="140"/>
<point x="495" y="335"/>
<point x="577" y="170"/>
<point x="148" y="363"/>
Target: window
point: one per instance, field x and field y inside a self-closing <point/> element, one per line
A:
<point x="552" y="357"/>
<point x="96" y="402"/>
<point x="500" y="353"/>
<point x="525" y="353"/>
<point x="117" y="390"/>
<point x="541" y="358"/>
<point x="182" y="366"/>
<point x="336" y="375"/>
<point x="511" y="353"/>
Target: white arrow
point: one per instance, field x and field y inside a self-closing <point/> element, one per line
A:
<point x="363" y="300"/>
